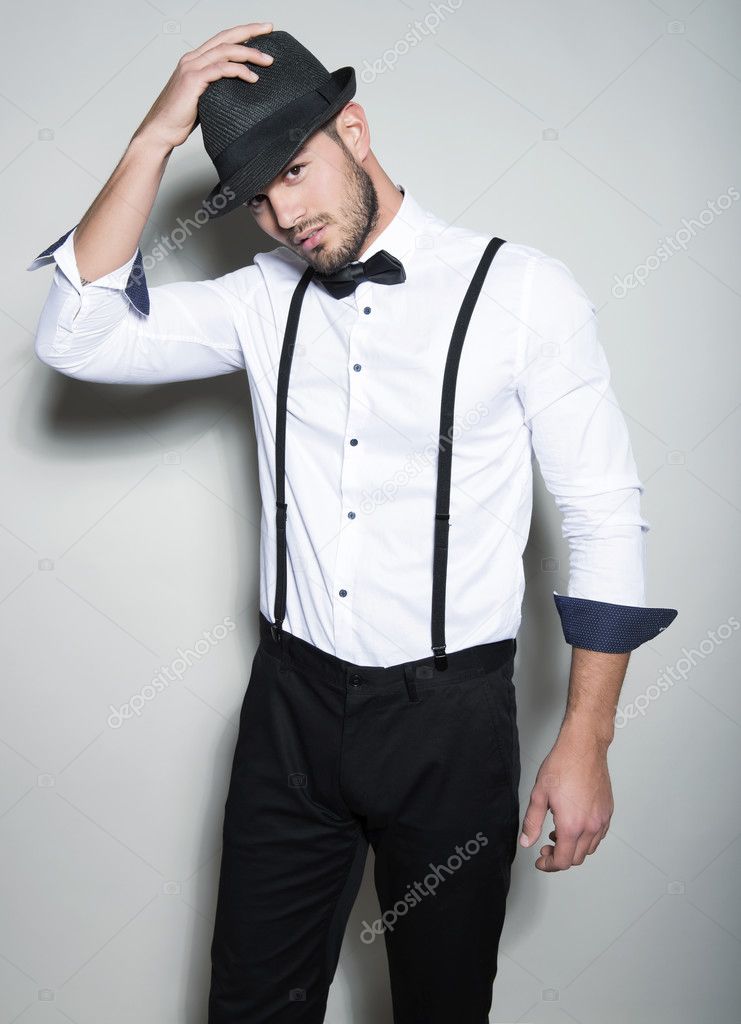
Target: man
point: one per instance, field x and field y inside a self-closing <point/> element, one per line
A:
<point x="403" y="371"/>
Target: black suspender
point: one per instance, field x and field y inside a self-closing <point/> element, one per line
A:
<point x="445" y="450"/>
<point x="445" y="453"/>
<point x="284" y="373"/>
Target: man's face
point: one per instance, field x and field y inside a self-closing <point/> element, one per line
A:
<point x="322" y="186"/>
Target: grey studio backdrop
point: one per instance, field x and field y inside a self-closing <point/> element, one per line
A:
<point x="604" y="135"/>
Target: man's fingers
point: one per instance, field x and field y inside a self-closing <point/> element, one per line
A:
<point x="229" y="69"/>
<point x="580" y="850"/>
<point x="582" y="847"/>
<point x="585" y="844"/>
<point x="532" y="824"/>
<point x="564" y="851"/>
<point x="238" y="34"/>
<point x="599" y="836"/>
<point x="233" y="51"/>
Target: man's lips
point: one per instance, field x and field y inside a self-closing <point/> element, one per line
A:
<point x="313" y="239"/>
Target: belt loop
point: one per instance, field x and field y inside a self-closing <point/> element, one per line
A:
<point x="410" y="684"/>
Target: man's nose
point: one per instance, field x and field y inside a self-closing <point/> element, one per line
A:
<point x="289" y="218"/>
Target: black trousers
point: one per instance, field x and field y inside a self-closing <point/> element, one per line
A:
<point x="420" y="763"/>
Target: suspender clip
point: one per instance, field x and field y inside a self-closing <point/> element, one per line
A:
<point x="441" y="658"/>
<point x="276" y="631"/>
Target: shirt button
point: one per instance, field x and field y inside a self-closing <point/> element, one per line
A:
<point x="356" y="367"/>
<point x="343" y="592"/>
<point x="367" y="309"/>
<point x="350" y="515"/>
<point x="353" y="440"/>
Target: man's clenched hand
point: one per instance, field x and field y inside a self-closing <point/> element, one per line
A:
<point x="574" y="782"/>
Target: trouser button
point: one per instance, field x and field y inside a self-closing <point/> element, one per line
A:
<point x="355" y="680"/>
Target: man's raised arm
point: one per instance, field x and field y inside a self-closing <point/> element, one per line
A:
<point x="100" y="322"/>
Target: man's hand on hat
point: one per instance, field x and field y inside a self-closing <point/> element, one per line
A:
<point x="174" y="114"/>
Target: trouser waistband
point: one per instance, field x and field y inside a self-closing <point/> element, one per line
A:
<point x="486" y="657"/>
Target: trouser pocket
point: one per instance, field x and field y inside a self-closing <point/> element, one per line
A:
<point x="500" y="700"/>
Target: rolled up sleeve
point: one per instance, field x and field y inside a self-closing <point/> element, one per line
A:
<point x="580" y="439"/>
<point x="118" y="330"/>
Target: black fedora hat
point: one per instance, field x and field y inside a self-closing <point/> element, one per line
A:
<point x="252" y="129"/>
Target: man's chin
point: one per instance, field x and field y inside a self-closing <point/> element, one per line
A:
<point x="320" y="259"/>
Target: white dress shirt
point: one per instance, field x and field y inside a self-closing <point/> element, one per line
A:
<point x="362" y="428"/>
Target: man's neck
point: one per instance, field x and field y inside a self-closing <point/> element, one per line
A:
<point x="385" y="220"/>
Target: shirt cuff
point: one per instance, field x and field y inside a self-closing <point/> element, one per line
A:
<point x="130" y="277"/>
<point x="610" y="628"/>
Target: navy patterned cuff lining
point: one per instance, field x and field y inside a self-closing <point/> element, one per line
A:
<point x="136" y="286"/>
<point x="610" y="628"/>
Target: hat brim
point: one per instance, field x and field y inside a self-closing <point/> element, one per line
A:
<point x="271" y="159"/>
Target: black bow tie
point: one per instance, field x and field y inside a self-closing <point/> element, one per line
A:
<point x="381" y="268"/>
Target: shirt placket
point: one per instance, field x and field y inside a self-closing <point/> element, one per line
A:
<point x="357" y="438"/>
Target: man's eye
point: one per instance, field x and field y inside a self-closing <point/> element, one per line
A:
<point x="256" y="200"/>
